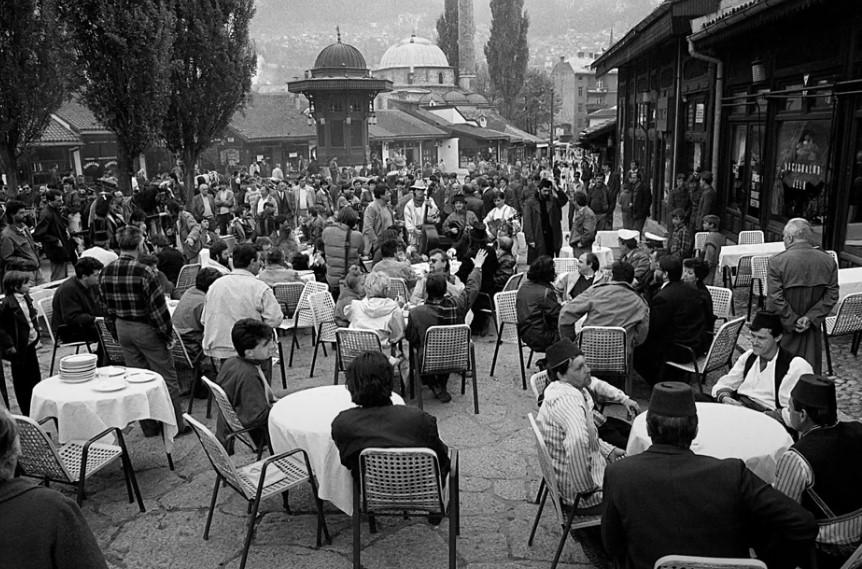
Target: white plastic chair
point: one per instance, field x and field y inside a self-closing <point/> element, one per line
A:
<point x="301" y="317"/>
<point x="447" y="349"/>
<point x="847" y="320"/>
<point x="507" y="328"/>
<point x="722" y="302"/>
<point x="718" y="356"/>
<point x="693" y="562"/>
<point x="753" y="237"/>
<point x="323" y="319"/>
<point x="563" y="265"/>
<point x="186" y="279"/>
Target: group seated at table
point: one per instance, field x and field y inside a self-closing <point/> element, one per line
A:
<point x="393" y="267"/>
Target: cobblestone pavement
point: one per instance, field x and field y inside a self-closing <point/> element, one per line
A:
<point x="499" y="478"/>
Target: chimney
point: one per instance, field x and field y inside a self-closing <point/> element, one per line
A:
<point x="466" y="51"/>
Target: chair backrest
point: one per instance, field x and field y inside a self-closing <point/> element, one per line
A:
<point x="754" y="237"/>
<point x="607" y="239"/>
<point x="506" y="315"/>
<point x="351" y="343"/>
<point x="186" y="278"/>
<point x="397" y="287"/>
<point x="395" y="480"/>
<point x="218" y="456"/>
<point x="722" y="301"/>
<point x="323" y="315"/>
<point x="179" y="353"/>
<point x="547" y="468"/>
<point x="538" y="382"/>
<point x="302" y="314"/>
<point x="855" y="560"/>
<point x="45" y="309"/>
<point x="700" y="240"/>
<point x="230" y="241"/>
<point x="835" y="257"/>
<point x="723" y="345"/>
<point x="849" y="315"/>
<point x="759" y="272"/>
<point x="693" y="562"/>
<point x="39" y="457"/>
<point x="225" y="407"/>
<point x="446" y="349"/>
<point x="514" y="282"/>
<point x="287" y="295"/>
<point x="743" y="272"/>
<point x="564" y="265"/>
<point x="605" y="348"/>
<point x="113" y="350"/>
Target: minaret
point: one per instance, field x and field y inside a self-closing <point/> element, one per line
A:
<point x="466" y="52"/>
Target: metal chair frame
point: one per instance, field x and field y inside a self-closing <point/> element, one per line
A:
<point x="74" y="462"/>
<point x="722" y="302"/>
<point x="349" y="344"/>
<point x="447" y="349"/>
<point x="323" y="319"/>
<point x="601" y="346"/>
<point x="301" y="318"/>
<point x="406" y="482"/>
<point x="294" y="469"/>
<point x="719" y="355"/>
<point x="237" y="430"/>
<point x="847" y="320"/>
<point x="45" y="309"/>
<point x="694" y="562"/>
<point x="506" y="319"/>
<point x="759" y="274"/>
<point x="186" y="279"/>
<point x="566" y="513"/>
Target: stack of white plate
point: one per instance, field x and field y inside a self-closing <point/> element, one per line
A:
<point x="78" y="368"/>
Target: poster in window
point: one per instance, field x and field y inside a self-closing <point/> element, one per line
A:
<point x="800" y="181"/>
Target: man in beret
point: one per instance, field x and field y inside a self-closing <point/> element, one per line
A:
<point x="763" y="377"/>
<point x="676" y="319"/>
<point x="823" y="469"/>
<point x="567" y="421"/>
<point x="669" y="500"/>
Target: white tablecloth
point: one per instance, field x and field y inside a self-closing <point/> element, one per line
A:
<point x="727" y="431"/>
<point x="730" y="254"/>
<point x="849" y="281"/>
<point x="82" y="412"/>
<point x="304" y="420"/>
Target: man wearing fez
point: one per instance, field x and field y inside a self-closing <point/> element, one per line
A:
<point x="668" y="500"/>
<point x="579" y="448"/>
<point x="763" y="377"/>
<point x="823" y="469"/>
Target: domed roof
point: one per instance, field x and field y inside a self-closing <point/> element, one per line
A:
<point x="455" y="98"/>
<point x="431" y="98"/>
<point x="340" y="58"/>
<point x="413" y="52"/>
<point x="476" y="99"/>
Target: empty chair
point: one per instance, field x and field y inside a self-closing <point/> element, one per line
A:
<point x="74" y="462"/>
<point x="236" y="430"/>
<point x="754" y="237"/>
<point x="566" y="513"/>
<point x="405" y="482"/>
<point x="448" y="349"/>
<point x="700" y="240"/>
<point x="605" y="350"/>
<point x="722" y="302"/>
<point x="692" y="562"/>
<point x="847" y="320"/>
<point x="46" y="310"/>
<point x="301" y="316"/>
<point x="323" y="319"/>
<point x="507" y="329"/>
<point x="718" y="356"/>
<point x="186" y="279"/>
<point x="256" y="481"/>
<point x="111" y="348"/>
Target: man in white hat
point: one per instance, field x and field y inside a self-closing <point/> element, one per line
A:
<point x="419" y="211"/>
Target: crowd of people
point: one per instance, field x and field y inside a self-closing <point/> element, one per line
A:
<point x="361" y="236"/>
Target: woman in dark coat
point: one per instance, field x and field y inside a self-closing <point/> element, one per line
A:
<point x="19" y="336"/>
<point x="537" y="306"/>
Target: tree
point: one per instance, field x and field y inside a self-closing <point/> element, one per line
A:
<point x="213" y="63"/>
<point x="507" y="52"/>
<point x="36" y="77"/>
<point x="447" y="34"/>
<point x="124" y="50"/>
<point x="533" y="113"/>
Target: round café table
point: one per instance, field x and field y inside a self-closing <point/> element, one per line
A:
<point x="82" y="410"/>
<point x="304" y="420"/>
<point x="728" y="431"/>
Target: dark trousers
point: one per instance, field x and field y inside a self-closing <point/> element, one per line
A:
<point x="223" y="219"/>
<point x="144" y="348"/>
<point x="25" y="375"/>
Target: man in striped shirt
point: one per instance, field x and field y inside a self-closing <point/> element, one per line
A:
<point x="566" y="420"/>
<point x="138" y="316"/>
<point x="823" y="469"/>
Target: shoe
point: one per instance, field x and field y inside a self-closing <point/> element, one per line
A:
<point x="435" y="519"/>
<point x="443" y="395"/>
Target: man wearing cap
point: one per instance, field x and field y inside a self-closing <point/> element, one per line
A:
<point x="763" y="377"/>
<point x="823" y="469"/>
<point x="567" y="420"/>
<point x="803" y="289"/>
<point x="676" y="320"/>
<point x="636" y="257"/>
<point x="669" y="500"/>
<point x="419" y="211"/>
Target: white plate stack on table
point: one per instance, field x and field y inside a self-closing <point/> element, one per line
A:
<point x="78" y="368"/>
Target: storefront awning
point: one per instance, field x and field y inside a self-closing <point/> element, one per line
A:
<point x="394" y="124"/>
<point x="597" y="135"/>
<point x="478" y="132"/>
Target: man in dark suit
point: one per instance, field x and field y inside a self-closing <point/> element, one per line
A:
<point x="543" y="221"/>
<point x="676" y="323"/>
<point x="695" y="504"/>
<point x="53" y="232"/>
<point x="612" y="182"/>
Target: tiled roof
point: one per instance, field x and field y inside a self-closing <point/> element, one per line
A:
<point x="271" y="117"/>
<point x="80" y="118"/>
<point x="57" y="135"/>
<point x="396" y="124"/>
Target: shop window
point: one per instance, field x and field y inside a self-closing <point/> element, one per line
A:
<point x="800" y="187"/>
<point x="853" y="240"/>
<point x="440" y="78"/>
<point x="746" y="169"/>
<point x="580" y="91"/>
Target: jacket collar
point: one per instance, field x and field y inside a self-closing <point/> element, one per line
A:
<point x="668" y="449"/>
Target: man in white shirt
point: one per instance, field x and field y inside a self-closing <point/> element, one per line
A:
<point x="763" y="377"/>
<point x="419" y="211"/>
<point x="305" y="197"/>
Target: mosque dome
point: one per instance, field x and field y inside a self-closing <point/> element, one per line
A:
<point x="413" y="52"/>
<point x="476" y="99"/>
<point x="340" y="58"/>
<point x="455" y="98"/>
